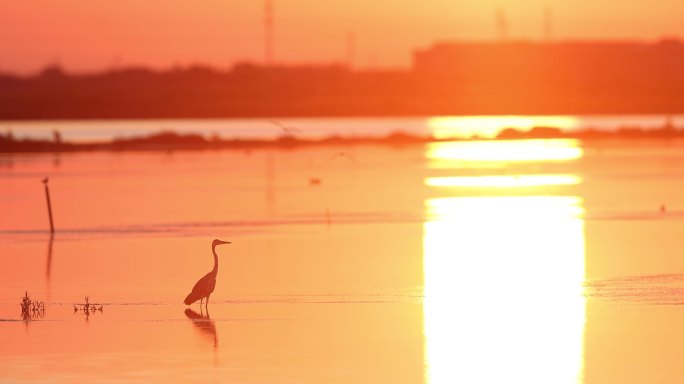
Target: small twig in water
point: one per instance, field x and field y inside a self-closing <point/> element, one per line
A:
<point x="88" y="307"/>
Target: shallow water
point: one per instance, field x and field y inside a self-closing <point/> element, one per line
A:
<point x="529" y="261"/>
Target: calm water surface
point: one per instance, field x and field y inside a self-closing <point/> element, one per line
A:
<point x="541" y="261"/>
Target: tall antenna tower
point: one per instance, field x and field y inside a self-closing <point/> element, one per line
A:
<point x="501" y="25"/>
<point x="268" y="32"/>
<point x="548" y="24"/>
<point x="351" y="48"/>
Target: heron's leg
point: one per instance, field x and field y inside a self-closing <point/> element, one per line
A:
<point x="207" y="302"/>
<point x="201" y="298"/>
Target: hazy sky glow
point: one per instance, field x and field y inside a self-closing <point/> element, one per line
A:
<point x="93" y="35"/>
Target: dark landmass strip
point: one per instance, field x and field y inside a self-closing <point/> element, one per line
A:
<point x="169" y="141"/>
<point x="456" y="78"/>
<point x="164" y="141"/>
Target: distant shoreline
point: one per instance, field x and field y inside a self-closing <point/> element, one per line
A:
<point x="514" y="77"/>
<point x="169" y="140"/>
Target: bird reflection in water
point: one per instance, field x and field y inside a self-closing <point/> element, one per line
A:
<point x="203" y="323"/>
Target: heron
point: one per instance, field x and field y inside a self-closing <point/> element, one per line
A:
<point x="205" y="286"/>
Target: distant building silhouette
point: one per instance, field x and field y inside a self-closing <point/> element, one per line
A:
<point x="569" y="76"/>
<point x="597" y="59"/>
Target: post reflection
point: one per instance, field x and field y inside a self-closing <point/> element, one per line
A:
<point x="503" y="278"/>
<point x="48" y="268"/>
<point x="49" y="257"/>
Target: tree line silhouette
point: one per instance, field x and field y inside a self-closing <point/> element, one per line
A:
<point x="445" y="79"/>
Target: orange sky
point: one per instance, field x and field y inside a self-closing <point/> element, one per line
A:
<point x="92" y="35"/>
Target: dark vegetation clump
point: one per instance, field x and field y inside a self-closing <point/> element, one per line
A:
<point x="31" y="309"/>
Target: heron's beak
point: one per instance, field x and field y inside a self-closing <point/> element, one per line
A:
<point x="220" y="242"/>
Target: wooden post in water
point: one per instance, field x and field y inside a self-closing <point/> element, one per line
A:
<point x="47" y="196"/>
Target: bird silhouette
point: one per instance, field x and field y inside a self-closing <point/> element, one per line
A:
<point x="342" y="155"/>
<point x="289" y="130"/>
<point x="205" y="286"/>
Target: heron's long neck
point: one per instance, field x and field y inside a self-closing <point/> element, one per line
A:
<point x="215" y="270"/>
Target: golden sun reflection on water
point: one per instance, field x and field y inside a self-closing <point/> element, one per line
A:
<point x="504" y="181"/>
<point x="503" y="275"/>
<point x="503" y="289"/>
<point x="457" y="154"/>
<point x="490" y="126"/>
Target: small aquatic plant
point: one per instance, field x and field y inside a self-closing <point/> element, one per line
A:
<point x="88" y="307"/>
<point x="31" y="309"/>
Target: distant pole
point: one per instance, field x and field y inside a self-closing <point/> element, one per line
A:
<point x="501" y="25"/>
<point x="351" y="49"/>
<point x="268" y="32"/>
<point x="548" y="24"/>
<point x="47" y="196"/>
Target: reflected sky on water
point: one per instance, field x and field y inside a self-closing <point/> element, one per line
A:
<point x="534" y="260"/>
